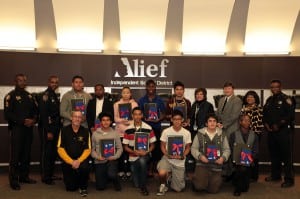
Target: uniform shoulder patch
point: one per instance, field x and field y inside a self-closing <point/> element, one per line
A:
<point x="7" y="97"/>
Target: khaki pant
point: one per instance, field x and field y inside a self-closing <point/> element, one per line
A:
<point x="177" y="181"/>
<point x="206" y="179"/>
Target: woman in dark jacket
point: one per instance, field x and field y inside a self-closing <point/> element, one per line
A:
<point x="200" y="109"/>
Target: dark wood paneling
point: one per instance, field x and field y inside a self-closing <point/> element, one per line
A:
<point x="210" y="72"/>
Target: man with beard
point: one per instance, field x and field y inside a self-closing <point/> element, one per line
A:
<point x="49" y="126"/>
<point x="96" y="106"/>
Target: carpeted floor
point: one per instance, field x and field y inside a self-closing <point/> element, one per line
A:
<point x="259" y="190"/>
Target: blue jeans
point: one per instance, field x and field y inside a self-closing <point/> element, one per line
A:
<point x="139" y="169"/>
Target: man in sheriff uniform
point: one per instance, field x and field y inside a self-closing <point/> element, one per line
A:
<point x="49" y="126"/>
<point x="277" y="115"/>
<point x="20" y="111"/>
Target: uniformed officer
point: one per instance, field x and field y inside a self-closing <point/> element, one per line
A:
<point x="49" y="126"/>
<point x="20" y="111"/>
<point x="277" y="114"/>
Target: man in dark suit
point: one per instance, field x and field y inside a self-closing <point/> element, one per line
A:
<point x="98" y="105"/>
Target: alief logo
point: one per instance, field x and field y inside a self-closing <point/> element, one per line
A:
<point x="139" y="69"/>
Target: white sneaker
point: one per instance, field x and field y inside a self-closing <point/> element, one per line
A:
<point x="83" y="192"/>
<point x="162" y="190"/>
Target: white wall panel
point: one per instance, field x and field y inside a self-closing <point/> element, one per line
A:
<point x="17" y="25"/>
<point x="142" y="25"/>
<point x="205" y="26"/>
<point x="79" y="24"/>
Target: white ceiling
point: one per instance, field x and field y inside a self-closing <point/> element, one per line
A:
<point x="196" y="26"/>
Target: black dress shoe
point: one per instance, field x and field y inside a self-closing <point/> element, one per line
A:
<point x="27" y="180"/>
<point x="287" y="184"/>
<point x="56" y="178"/>
<point x="117" y="186"/>
<point x="236" y="193"/>
<point x="48" y="182"/>
<point x="15" y="186"/>
<point x="271" y="179"/>
<point x="144" y="191"/>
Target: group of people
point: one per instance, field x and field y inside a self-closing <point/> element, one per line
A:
<point x="204" y="145"/>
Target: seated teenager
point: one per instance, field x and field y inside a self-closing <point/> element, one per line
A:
<point x="106" y="150"/>
<point x="244" y="145"/>
<point x="74" y="148"/>
<point x="139" y="139"/>
<point x="210" y="149"/>
<point x="175" y="145"/>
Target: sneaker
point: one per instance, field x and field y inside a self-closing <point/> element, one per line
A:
<point x="162" y="190"/>
<point x="83" y="192"/>
<point x="272" y="179"/>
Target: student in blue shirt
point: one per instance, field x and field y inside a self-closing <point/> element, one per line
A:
<point x="154" y="120"/>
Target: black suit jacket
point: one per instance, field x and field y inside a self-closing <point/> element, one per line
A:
<point x="91" y="110"/>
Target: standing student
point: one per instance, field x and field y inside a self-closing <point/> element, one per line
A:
<point x="75" y="99"/>
<point x="139" y="158"/>
<point x="173" y="163"/>
<point x="154" y="121"/>
<point x="106" y="159"/>
<point x="121" y="125"/>
<point x="179" y="102"/>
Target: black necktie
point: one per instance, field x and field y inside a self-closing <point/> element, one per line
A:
<point x="224" y="104"/>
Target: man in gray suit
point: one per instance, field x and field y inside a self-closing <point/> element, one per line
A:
<point x="229" y="108"/>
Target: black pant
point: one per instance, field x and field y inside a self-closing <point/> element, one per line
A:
<point x="241" y="178"/>
<point x="280" y="151"/>
<point x="48" y="153"/>
<point x="75" y="178"/>
<point x="106" y="171"/>
<point x="156" y="154"/>
<point x="255" y="168"/>
<point x="190" y="162"/>
<point x="20" y="150"/>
